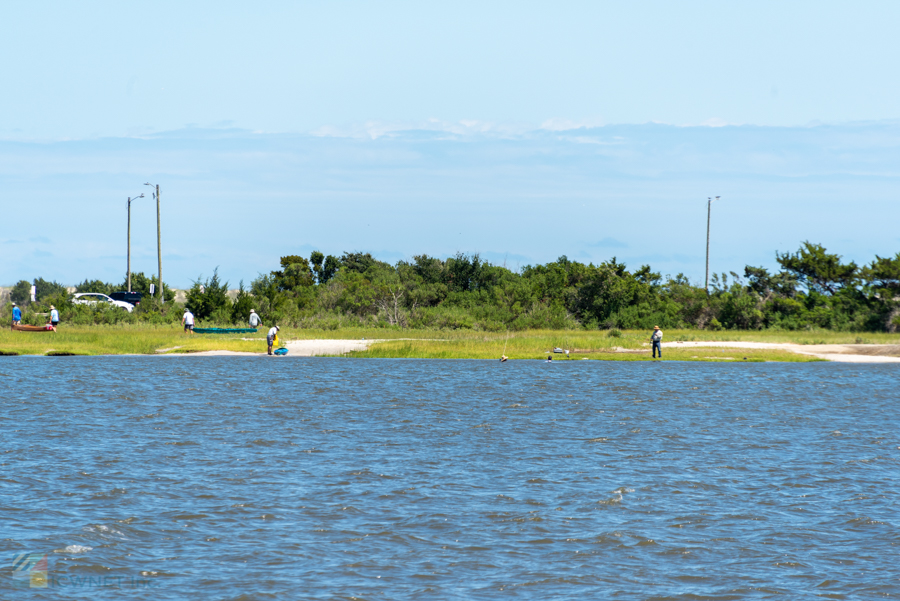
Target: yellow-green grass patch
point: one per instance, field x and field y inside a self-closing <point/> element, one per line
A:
<point x="530" y="344"/>
<point x="118" y="340"/>
<point x="525" y="348"/>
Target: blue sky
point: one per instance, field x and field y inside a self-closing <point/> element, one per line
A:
<point x="519" y="130"/>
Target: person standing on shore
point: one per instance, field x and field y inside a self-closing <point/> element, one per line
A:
<point x="271" y="337"/>
<point x="187" y="321"/>
<point x="54" y="316"/>
<point x="255" y="321"/>
<point x="17" y="315"/>
<point x="656" y="341"/>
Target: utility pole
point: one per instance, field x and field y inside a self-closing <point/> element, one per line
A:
<point x="708" y="215"/>
<point x="162" y="297"/>
<point x="129" y="238"/>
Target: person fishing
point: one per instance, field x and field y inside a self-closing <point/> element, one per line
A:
<point x="656" y="341"/>
<point x="255" y="320"/>
<point x="272" y="337"/>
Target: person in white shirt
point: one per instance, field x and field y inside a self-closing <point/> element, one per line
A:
<point x="54" y="316"/>
<point x="270" y="337"/>
<point x="656" y="341"/>
<point x="255" y="321"/>
<point x="188" y="321"/>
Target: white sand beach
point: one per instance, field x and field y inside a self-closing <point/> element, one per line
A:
<point x="841" y="353"/>
<point x="301" y="348"/>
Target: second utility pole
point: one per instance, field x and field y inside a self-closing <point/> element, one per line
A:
<point x="129" y="238"/>
<point x="708" y="214"/>
<point x="162" y="297"/>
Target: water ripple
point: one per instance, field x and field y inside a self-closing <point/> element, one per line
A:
<point x="235" y="478"/>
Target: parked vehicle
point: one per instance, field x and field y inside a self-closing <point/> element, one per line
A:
<point x="127" y="297"/>
<point x="95" y="298"/>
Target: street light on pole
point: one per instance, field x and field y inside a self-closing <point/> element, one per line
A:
<point x="708" y="215"/>
<point x="162" y="298"/>
<point x="129" y="238"/>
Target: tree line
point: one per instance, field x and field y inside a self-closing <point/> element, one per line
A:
<point x="812" y="289"/>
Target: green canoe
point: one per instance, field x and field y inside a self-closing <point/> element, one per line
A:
<point x="224" y="330"/>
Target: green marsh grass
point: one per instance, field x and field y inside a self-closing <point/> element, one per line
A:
<point x="118" y="340"/>
<point x="628" y="345"/>
<point x="539" y="344"/>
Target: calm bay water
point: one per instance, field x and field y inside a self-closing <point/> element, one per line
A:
<point x="253" y="478"/>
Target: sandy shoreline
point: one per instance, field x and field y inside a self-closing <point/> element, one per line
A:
<point x="300" y="348"/>
<point x="840" y="353"/>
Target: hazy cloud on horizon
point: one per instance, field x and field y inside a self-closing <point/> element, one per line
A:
<point x="239" y="200"/>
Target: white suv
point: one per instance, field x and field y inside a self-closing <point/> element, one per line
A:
<point x="95" y="298"/>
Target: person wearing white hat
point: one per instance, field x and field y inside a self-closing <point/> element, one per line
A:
<point x="54" y="316"/>
<point x="255" y="321"/>
<point x="271" y="337"/>
<point x="17" y="315"/>
<point x="656" y="341"/>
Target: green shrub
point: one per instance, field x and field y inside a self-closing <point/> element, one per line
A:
<point x="210" y="297"/>
<point x="240" y="308"/>
<point x="21" y="293"/>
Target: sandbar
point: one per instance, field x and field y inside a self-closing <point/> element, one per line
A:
<point x="840" y="353"/>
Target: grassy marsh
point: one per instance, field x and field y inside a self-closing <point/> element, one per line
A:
<point x="448" y="344"/>
<point x="538" y="344"/>
<point x="117" y="340"/>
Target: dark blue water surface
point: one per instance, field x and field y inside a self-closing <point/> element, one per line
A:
<point x="253" y="478"/>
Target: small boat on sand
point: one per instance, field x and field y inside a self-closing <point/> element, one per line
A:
<point x="46" y="328"/>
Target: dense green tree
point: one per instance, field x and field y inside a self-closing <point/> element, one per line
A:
<point x="240" y="307"/>
<point x="429" y="269"/>
<point x="295" y="273"/>
<point x="45" y="289"/>
<point x="817" y="269"/>
<point x="316" y="262"/>
<point x="359" y="262"/>
<point x="323" y="267"/>
<point x="332" y="264"/>
<point x="94" y="286"/>
<point x="141" y="283"/>
<point x="884" y="273"/>
<point x="765" y="284"/>
<point x="209" y="299"/>
<point x="463" y="272"/>
<point x="813" y="289"/>
<point x="21" y="292"/>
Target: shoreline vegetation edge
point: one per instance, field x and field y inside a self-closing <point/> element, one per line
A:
<point x="681" y="345"/>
